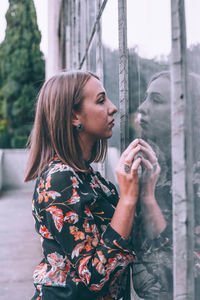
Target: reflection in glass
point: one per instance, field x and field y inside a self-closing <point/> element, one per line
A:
<point x="153" y="268"/>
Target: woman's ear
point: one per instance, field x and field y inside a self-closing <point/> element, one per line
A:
<point x="75" y="118"/>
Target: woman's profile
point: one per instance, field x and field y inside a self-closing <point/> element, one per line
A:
<point x="84" y="225"/>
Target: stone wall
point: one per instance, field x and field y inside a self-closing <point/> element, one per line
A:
<point x="12" y="169"/>
<point x="13" y="166"/>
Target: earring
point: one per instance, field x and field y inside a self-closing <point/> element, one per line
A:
<point x="79" y="127"/>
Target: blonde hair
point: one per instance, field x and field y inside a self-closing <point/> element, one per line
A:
<point x="53" y="132"/>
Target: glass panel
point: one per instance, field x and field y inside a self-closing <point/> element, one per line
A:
<point x="193" y="38"/>
<point x="149" y="41"/>
<point x="111" y="80"/>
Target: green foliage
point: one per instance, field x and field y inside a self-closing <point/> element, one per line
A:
<point x="21" y="73"/>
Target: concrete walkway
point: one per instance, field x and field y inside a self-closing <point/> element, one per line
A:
<point x="19" y="245"/>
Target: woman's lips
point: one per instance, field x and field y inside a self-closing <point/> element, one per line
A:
<point x="112" y="123"/>
<point x="143" y="123"/>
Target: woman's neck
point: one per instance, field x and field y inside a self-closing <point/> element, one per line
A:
<point x="86" y="148"/>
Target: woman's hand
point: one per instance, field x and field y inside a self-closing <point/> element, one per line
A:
<point x="154" y="220"/>
<point x="150" y="168"/>
<point x="127" y="173"/>
<point x="128" y="179"/>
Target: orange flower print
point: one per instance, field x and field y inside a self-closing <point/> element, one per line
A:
<point x="74" y="278"/>
<point x="79" y="247"/>
<point x="75" y="182"/>
<point x="44" y="232"/>
<point x="71" y="217"/>
<point x="86" y="226"/>
<point x="46" y="195"/>
<point x="101" y="257"/>
<point x="99" y="263"/>
<point x="48" y="182"/>
<point x="39" y="288"/>
<point x="59" y="269"/>
<point x="113" y="192"/>
<point x="88" y="212"/>
<point x="88" y="241"/>
<point x="94" y="182"/>
<point x="95" y="231"/>
<point x="74" y="199"/>
<point x="56" y="260"/>
<point x="41" y="184"/>
<point x="104" y="187"/>
<point x="57" y="276"/>
<point x="99" y="266"/>
<point x="83" y="271"/>
<point x="57" y="215"/>
<point x="40" y="273"/>
<point x="78" y="235"/>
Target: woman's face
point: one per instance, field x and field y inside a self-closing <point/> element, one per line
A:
<point x="97" y="112"/>
<point x="155" y="119"/>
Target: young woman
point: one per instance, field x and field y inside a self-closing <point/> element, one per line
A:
<point x="84" y="226"/>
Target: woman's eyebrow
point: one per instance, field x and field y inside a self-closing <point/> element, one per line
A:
<point x="156" y="94"/>
<point x="101" y="94"/>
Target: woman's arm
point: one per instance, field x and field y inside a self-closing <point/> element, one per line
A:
<point x="154" y="220"/>
<point x="123" y="217"/>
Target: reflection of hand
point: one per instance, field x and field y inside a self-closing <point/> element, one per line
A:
<point x="150" y="168"/>
<point x="127" y="173"/>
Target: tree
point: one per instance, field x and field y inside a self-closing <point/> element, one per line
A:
<point x="21" y="73"/>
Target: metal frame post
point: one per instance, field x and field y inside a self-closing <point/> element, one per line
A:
<point x="123" y="75"/>
<point x="182" y="162"/>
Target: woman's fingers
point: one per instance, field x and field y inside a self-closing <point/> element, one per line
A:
<point x="131" y="155"/>
<point x="145" y="144"/>
<point x="136" y="165"/>
<point x="128" y="156"/>
<point x="147" y="165"/>
<point x="130" y="147"/>
<point x="150" y="154"/>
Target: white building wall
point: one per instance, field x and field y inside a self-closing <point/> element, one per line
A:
<point x="53" y="61"/>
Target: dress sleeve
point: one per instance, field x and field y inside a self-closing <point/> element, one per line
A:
<point x="95" y="257"/>
<point x="152" y="271"/>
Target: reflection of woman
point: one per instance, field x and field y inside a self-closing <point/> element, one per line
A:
<point x="83" y="224"/>
<point x="156" y="128"/>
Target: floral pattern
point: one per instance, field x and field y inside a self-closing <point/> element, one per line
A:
<point x="72" y="211"/>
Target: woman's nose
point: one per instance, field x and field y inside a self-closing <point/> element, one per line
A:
<point x="143" y="108"/>
<point x="112" y="108"/>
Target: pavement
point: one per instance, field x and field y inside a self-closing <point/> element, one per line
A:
<point x="20" y="248"/>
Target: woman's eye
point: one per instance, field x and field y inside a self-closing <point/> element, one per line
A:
<point x="156" y="99"/>
<point x="101" y="101"/>
<point x="145" y="97"/>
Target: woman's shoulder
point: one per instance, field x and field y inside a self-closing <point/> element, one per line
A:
<point x="58" y="173"/>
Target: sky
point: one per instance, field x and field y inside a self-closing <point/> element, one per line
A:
<point x="148" y="23"/>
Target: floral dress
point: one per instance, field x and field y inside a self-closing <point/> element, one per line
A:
<point x="83" y="256"/>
